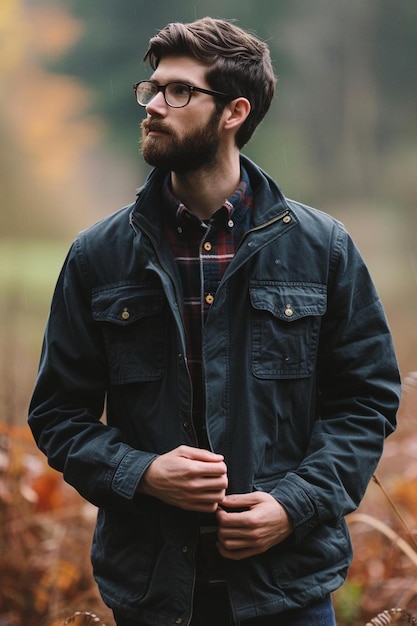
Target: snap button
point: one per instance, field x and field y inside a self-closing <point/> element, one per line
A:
<point x="230" y="223"/>
<point x="287" y="219"/>
<point x="125" y="314"/>
<point x="207" y="246"/>
<point x="209" y="299"/>
<point x="288" y="311"/>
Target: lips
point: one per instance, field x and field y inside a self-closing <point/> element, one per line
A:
<point x="154" y="127"/>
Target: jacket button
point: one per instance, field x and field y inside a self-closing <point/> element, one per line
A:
<point x="207" y="246"/>
<point x="209" y="299"/>
<point x="287" y="219"/>
<point x="125" y="314"/>
<point x="288" y="311"/>
<point x="179" y="620"/>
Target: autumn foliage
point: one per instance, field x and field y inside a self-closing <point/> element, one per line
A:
<point x="45" y="532"/>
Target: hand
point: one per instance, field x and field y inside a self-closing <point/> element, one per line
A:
<point x="262" y="525"/>
<point x="193" y="479"/>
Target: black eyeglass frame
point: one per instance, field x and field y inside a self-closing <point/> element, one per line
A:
<point x="191" y="88"/>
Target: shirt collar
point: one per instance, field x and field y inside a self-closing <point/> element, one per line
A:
<point x="232" y="212"/>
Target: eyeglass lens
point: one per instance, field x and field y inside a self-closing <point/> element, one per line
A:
<point x="175" y="94"/>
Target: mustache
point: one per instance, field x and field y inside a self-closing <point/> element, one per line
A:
<point x="149" y="125"/>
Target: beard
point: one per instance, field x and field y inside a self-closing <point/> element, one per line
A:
<point x="197" y="148"/>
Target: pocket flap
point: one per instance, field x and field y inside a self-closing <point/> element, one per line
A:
<point x="125" y="304"/>
<point x="288" y="301"/>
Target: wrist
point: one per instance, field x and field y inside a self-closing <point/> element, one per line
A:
<point x="145" y="483"/>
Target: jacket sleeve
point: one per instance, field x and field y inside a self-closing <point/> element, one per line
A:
<point x="358" y="397"/>
<point x="68" y="400"/>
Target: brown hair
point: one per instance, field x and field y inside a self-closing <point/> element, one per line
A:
<point x="238" y="63"/>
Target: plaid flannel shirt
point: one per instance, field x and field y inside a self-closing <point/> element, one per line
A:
<point x="202" y="251"/>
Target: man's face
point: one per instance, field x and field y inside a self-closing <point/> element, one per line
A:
<point x="183" y="139"/>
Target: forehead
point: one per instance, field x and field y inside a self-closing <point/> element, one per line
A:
<point x="181" y="68"/>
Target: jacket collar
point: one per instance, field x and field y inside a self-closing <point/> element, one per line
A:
<point x="268" y="198"/>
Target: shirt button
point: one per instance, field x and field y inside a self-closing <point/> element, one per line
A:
<point x="178" y="620"/>
<point x="125" y="314"/>
<point x="230" y="223"/>
<point x="185" y="549"/>
<point x="209" y="299"/>
<point x="207" y="246"/>
<point x="288" y="311"/>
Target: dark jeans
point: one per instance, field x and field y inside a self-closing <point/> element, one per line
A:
<point x="212" y="608"/>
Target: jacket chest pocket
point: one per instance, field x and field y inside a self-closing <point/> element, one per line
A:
<point x="133" y="321"/>
<point x="286" y="319"/>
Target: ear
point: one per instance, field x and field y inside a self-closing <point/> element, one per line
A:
<point x="235" y="113"/>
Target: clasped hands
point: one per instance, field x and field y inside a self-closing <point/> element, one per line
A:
<point x="195" y="479"/>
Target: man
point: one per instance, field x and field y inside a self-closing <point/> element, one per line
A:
<point x="243" y="356"/>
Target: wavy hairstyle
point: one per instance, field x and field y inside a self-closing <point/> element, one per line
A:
<point x="238" y="63"/>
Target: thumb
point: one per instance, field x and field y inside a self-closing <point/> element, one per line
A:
<point x="239" y="501"/>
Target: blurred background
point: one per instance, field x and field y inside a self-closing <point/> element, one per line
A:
<point x="341" y="136"/>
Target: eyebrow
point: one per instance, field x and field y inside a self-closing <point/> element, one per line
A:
<point x="186" y="81"/>
<point x="172" y="80"/>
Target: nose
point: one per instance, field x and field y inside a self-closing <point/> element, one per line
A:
<point x="157" y="104"/>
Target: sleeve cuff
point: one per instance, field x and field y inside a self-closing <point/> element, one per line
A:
<point x="291" y="493"/>
<point x="130" y="471"/>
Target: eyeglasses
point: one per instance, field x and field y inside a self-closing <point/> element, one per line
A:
<point x="177" y="95"/>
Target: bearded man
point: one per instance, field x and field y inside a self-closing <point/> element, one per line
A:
<point x="240" y="349"/>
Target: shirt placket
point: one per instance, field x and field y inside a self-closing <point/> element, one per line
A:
<point x="209" y="270"/>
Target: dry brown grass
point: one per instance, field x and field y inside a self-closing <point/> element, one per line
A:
<point x="45" y="538"/>
<point x="383" y="574"/>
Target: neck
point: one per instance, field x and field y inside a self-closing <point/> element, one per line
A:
<point x="204" y="190"/>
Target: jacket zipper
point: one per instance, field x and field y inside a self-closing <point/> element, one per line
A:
<point x="253" y="230"/>
<point x="262" y="226"/>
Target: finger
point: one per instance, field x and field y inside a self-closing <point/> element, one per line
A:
<point x="236" y="555"/>
<point x="197" y="506"/>
<point x="230" y="546"/>
<point x="211" y="470"/>
<point x="200" y="454"/>
<point x="237" y="501"/>
<point x="234" y="512"/>
<point x="202" y="475"/>
<point x="256" y="543"/>
<point x="213" y="494"/>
